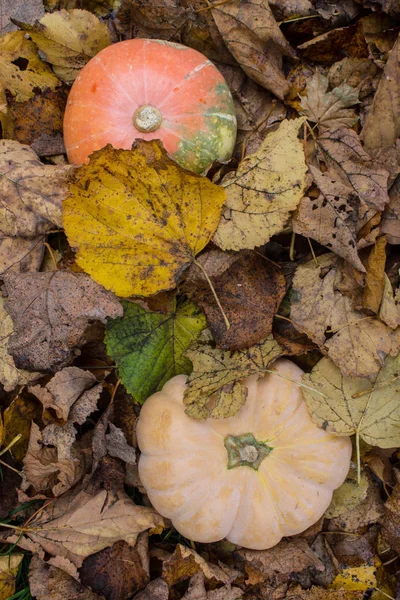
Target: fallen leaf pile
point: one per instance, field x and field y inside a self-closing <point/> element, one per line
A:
<point x="124" y="272"/>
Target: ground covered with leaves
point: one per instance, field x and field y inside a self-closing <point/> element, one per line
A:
<point x="298" y="235"/>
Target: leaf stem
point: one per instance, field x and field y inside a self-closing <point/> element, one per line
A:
<point x="358" y="456"/>
<point x="11" y="444"/>
<point x="226" y="320"/>
<point x="303" y="385"/>
<point x="10" y="467"/>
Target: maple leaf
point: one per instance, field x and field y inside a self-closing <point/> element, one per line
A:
<point x="138" y="219"/>
<point x="149" y="347"/>
<point x="263" y="191"/>
<point x="68" y="40"/>
<point x="329" y="109"/>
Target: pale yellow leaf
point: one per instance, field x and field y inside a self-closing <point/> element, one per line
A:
<point x="8" y="573"/>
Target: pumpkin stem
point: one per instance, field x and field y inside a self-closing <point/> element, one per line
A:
<point x="245" y="451"/>
<point x="147" y="118"/>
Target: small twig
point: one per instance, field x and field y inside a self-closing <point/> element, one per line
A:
<point x="294" y="19"/>
<point x="291" y="249"/>
<point x="10" y="467"/>
<point x="226" y="320"/>
<point x="348" y="325"/>
<point x="50" y="249"/>
<point x="312" y="252"/>
<point x="115" y="391"/>
<point x="269" y="260"/>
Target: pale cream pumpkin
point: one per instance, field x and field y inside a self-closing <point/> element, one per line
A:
<point x="265" y="473"/>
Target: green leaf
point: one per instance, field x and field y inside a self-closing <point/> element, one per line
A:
<point x="148" y="347"/>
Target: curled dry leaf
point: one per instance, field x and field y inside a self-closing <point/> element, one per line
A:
<point x="391" y="217"/>
<point x="341" y="149"/>
<point x="382" y="126"/>
<point x="359" y="343"/>
<point x="197" y="590"/>
<point x="138" y="219"/>
<point x="10" y="376"/>
<point x="214" y="389"/>
<point x="335" y="44"/>
<point x="331" y="219"/>
<point x="49" y="582"/>
<point x="22" y="83"/>
<point x="351" y="405"/>
<point x="389" y="310"/>
<point x="329" y="109"/>
<point x="149" y="347"/>
<point x="155" y="590"/>
<point x="263" y="191"/>
<point x="375" y="277"/>
<point x="250" y="290"/>
<point x="68" y="40"/>
<point x="50" y="313"/>
<point x="255" y="40"/>
<point x="9" y="566"/>
<point x="84" y="521"/>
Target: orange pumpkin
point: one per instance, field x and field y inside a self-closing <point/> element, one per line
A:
<point x="151" y="89"/>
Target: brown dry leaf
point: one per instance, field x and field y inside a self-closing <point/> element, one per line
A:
<point x="21" y="255"/>
<point x="331" y="219"/>
<point x="319" y="593"/>
<point x="329" y="109"/>
<point x="9" y="566"/>
<point x="10" y="376"/>
<point x="345" y="157"/>
<point x="389" y="310"/>
<point x="375" y="278"/>
<point x="155" y="590"/>
<point x="84" y="520"/>
<point x="391" y="217"/>
<point x="213" y="388"/>
<point x="19" y="9"/>
<point x="68" y="40"/>
<point x="197" y="590"/>
<point x="264" y="190"/>
<point x="45" y="468"/>
<point x="118" y="447"/>
<point x="382" y="125"/>
<point x="250" y="290"/>
<point x="284" y="10"/>
<point x="50" y="313"/>
<point x="357" y="72"/>
<point x="360" y="343"/>
<point x="287" y="557"/>
<point x="391" y="519"/>
<point x="255" y="40"/>
<point x="39" y="116"/>
<point x="32" y="193"/>
<point x="185" y="562"/>
<point x="48" y="582"/>
<point x="18" y="418"/>
<point x="117" y="572"/>
<point x="62" y="391"/>
<point x="363" y="514"/>
<point x="335" y="45"/>
<point x="22" y="82"/>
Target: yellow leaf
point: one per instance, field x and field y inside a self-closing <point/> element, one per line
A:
<point x="68" y="40"/>
<point x="137" y="219"/>
<point x="8" y="573"/>
<point x="22" y="82"/>
<point x="17" y="421"/>
<point x="266" y="187"/>
<point x="356" y="578"/>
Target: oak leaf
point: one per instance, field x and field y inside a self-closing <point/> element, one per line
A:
<point x="213" y="389"/>
<point x="255" y="40"/>
<point x="138" y="219"/>
<point x="50" y="312"/>
<point x="351" y="405"/>
<point x="149" y="347"/>
<point x="68" y="40"/>
<point x="266" y="187"/>
<point x="22" y="83"/>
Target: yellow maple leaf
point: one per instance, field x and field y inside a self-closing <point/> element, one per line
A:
<point x="137" y="219"/>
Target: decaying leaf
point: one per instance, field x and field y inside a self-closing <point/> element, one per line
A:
<point x="348" y="495"/>
<point x="255" y="40"/>
<point x="213" y="389"/>
<point x="249" y="289"/>
<point x="389" y="310"/>
<point x="348" y="405"/>
<point x="47" y="581"/>
<point x="50" y="313"/>
<point x="391" y="217"/>
<point x="382" y="125"/>
<point x="329" y="109"/>
<point x="138" y="219"/>
<point x="18" y="418"/>
<point x="68" y="40"/>
<point x="10" y="376"/>
<point x="342" y="151"/>
<point x="21" y="83"/>
<point x="84" y="521"/>
<point x="331" y="219"/>
<point x="356" y="578"/>
<point x="19" y="9"/>
<point x="319" y="593"/>
<point x="335" y="44"/>
<point x="391" y="519"/>
<point x="375" y="277"/>
<point x="9" y="566"/>
<point x="263" y="191"/>
<point x="197" y="590"/>
<point x="359" y="343"/>
<point x="21" y="255"/>
<point x="155" y="590"/>
<point x="149" y="347"/>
